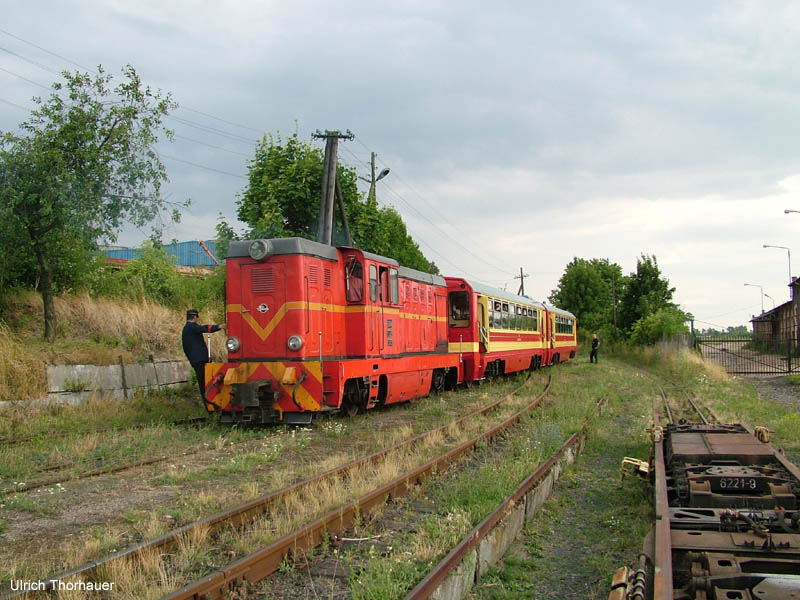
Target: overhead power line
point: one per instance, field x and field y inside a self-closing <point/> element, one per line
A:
<point x="206" y="167"/>
<point x="212" y="130"/>
<point x="188" y="139"/>
<point x="4" y="101"/>
<point x="434" y="209"/>
<point x="31" y="81"/>
<point x="16" y="37"/>
<point x="28" y="60"/>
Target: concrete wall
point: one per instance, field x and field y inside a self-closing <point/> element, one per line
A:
<point x="73" y="384"/>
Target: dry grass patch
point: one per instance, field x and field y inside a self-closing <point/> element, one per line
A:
<point x="21" y="374"/>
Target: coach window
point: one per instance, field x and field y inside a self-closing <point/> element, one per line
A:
<point x="373" y="283"/>
<point x="354" y="281"/>
<point x="393" y="286"/>
<point x="506" y="317"/>
<point x="459" y="309"/>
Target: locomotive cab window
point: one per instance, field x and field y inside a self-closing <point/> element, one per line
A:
<point x="394" y="290"/>
<point x="459" y="309"/>
<point x="354" y="281"/>
<point x="373" y="283"/>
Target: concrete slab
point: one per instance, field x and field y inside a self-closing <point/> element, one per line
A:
<point x="460" y="580"/>
<point x="494" y="545"/>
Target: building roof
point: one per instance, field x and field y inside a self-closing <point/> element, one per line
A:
<point x="186" y="254"/>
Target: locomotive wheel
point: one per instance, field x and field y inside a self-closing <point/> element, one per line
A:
<point x="437" y="381"/>
<point x="350" y="409"/>
<point x="351" y="402"/>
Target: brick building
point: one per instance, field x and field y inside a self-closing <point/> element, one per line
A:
<point x="782" y="323"/>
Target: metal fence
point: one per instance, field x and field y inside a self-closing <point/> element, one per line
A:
<point x="744" y="355"/>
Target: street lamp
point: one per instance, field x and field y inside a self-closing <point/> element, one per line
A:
<point x="789" y="210"/>
<point x="372" y="179"/>
<point x="771" y="298"/>
<point x="762" y="294"/>
<point x="789" y="253"/>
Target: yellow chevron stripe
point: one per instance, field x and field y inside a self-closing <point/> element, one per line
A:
<point x="264" y="332"/>
<point x="243" y="372"/>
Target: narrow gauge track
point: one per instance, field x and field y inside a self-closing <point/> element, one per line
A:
<point x="727" y="522"/>
<point x="680" y="410"/>
<point x="247" y="512"/>
<point x="267" y="560"/>
<point x="13" y="441"/>
<point x="21" y="489"/>
<point x="436" y="576"/>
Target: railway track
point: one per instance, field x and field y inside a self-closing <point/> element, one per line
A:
<point x="727" y="509"/>
<point x="247" y="513"/>
<point x="13" y="441"/>
<point x="685" y="410"/>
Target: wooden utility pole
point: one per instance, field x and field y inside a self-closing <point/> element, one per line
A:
<point x="329" y="185"/>
<point x="521" y="277"/>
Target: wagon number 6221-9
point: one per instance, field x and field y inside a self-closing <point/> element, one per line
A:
<point x="737" y="483"/>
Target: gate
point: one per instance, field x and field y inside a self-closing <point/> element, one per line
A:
<point x="744" y="355"/>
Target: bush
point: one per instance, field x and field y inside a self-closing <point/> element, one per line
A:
<point x="654" y="327"/>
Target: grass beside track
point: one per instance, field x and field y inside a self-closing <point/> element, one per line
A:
<point x="189" y="490"/>
<point x="595" y="523"/>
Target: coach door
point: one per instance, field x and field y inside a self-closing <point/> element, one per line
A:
<point x="483" y="323"/>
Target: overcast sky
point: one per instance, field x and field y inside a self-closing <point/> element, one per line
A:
<point x="519" y="135"/>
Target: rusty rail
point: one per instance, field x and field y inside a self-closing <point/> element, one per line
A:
<point x="246" y="512"/>
<point x="265" y="561"/>
<point x="426" y="587"/>
<point x="13" y="441"/>
<point x="662" y="579"/>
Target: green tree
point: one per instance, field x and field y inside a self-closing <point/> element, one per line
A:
<point x="663" y="322"/>
<point x="84" y="163"/>
<point x="282" y="199"/>
<point x="589" y="289"/>
<point x="646" y="292"/>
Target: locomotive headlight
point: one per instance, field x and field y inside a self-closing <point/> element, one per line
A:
<point x="258" y="249"/>
<point x="233" y="344"/>
<point x="295" y="343"/>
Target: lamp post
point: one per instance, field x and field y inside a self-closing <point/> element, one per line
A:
<point x="771" y="298"/>
<point x="789" y="253"/>
<point x="762" y="294"/>
<point x="789" y="210"/>
<point x="373" y="179"/>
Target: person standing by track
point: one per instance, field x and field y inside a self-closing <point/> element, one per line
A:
<point x="194" y="346"/>
<point x="595" y="347"/>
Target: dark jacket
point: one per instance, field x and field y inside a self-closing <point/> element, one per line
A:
<point x="193" y="344"/>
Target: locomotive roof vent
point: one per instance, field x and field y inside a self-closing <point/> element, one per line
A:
<point x="258" y="249"/>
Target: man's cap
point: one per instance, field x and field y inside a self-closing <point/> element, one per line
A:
<point x="192" y="312"/>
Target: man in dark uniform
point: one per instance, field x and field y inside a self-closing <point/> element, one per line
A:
<point x="595" y="346"/>
<point x="194" y="346"/>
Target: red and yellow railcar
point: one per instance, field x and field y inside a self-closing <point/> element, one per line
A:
<point x="314" y="327"/>
<point x="495" y="332"/>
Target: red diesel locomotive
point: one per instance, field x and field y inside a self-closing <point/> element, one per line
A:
<point x="314" y="328"/>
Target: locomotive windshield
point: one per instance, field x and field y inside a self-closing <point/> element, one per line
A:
<point x="354" y="279"/>
<point x="459" y="309"/>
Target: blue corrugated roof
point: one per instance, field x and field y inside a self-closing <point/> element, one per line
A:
<point x="187" y="254"/>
